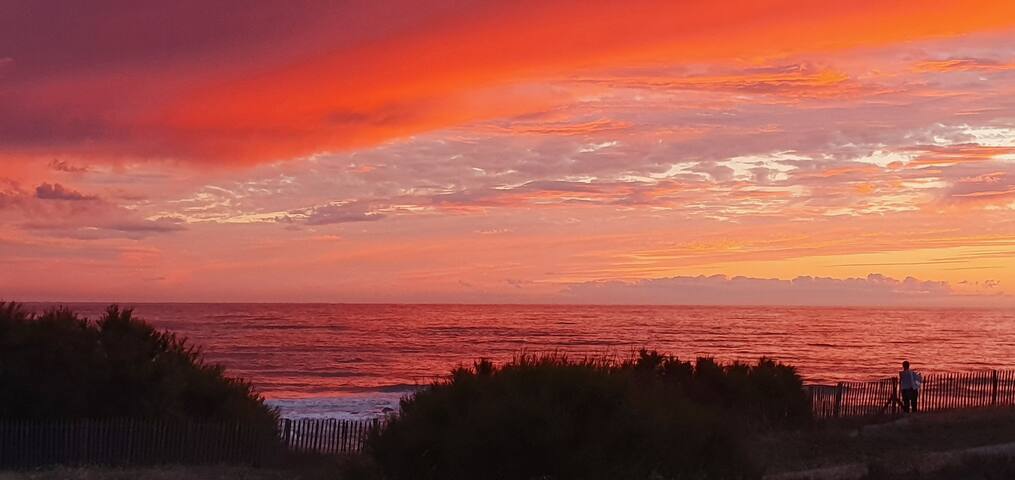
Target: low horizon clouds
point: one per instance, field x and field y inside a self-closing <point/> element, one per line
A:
<point x="872" y="290"/>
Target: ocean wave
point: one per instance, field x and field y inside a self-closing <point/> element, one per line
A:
<point x="347" y="407"/>
<point x="393" y="388"/>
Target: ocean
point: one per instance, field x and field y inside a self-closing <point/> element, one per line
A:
<point x="355" y="361"/>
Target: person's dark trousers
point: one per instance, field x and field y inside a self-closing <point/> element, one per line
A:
<point x="909" y="400"/>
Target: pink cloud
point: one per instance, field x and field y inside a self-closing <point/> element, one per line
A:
<point x="56" y="210"/>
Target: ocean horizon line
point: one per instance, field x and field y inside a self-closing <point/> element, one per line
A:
<point x="904" y="306"/>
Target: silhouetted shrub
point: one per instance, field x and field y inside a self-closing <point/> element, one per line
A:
<point x="57" y="365"/>
<point x="765" y="394"/>
<point x="555" y="418"/>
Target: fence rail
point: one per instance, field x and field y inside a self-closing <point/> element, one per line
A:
<point x="946" y="391"/>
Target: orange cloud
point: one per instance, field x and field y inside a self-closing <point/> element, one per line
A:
<point x="796" y="81"/>
<point x="427" y="79"/>
<point x="324" y="89"/>
<point x="962" y="65"/>
<point x="954" y="154"/>
<point x="560" y="128"/>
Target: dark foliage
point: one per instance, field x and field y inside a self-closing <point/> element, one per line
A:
<point x="549" y="417"/>
<point x="57" y="365"/>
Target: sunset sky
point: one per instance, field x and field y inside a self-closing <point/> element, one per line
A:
<point x="746" y="152"/>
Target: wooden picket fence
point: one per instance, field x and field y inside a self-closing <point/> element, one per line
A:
<point x="945" y="391"/>
<point x="32" y="443"/>
<point x="327" y="436"/>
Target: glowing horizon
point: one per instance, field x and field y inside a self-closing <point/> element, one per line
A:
<point x="731" y="152"/>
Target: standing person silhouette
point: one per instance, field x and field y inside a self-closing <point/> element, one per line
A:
<point x="909" y="384"/>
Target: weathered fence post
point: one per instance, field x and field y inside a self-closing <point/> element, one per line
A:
<point x="994" y="382"/>
<point x="896" y="395"/>
<point x="287" y="433"/>
<point x="838" y="400"/>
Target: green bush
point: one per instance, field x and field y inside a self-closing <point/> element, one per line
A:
<point x="556" y="418"/>
<point x="57" y="365"/>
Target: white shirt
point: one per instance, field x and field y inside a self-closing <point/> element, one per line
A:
<point x="910" y="380"/>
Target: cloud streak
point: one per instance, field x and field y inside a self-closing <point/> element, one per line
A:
<point x="339" y="213"/>
<point x="804" y="290"/>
